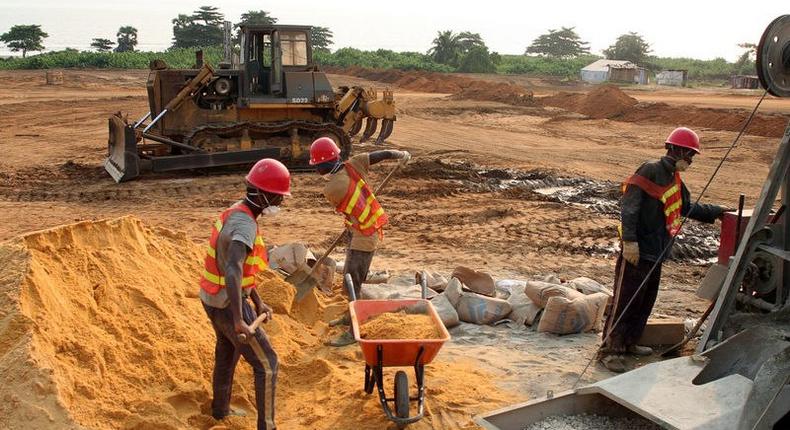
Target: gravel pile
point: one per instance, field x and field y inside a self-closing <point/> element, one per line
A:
<point x="592" y="422"/>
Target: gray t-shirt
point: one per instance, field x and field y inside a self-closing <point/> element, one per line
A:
<point x="239" y="227"/>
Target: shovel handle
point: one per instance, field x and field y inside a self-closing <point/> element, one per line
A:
<point x="254" y="326"/>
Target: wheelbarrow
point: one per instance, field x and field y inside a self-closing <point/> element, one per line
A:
<point x="381" y="353"/>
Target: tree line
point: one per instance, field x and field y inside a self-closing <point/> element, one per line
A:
<point x="560" y="52"/>
<point x="200" y="29"/>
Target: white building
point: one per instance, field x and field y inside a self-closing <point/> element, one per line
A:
<point x="600" y="70"/>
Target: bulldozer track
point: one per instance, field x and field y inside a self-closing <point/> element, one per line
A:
<point x="271" y="128"/>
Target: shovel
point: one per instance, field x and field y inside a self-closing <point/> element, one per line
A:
<point x="303" y="280"/>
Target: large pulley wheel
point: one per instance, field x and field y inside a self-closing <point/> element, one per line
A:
<point x="773" y="57"/>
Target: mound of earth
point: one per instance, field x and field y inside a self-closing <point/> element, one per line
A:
<point x="605" y="101"/>
<point x="101" y="327"/>
<point x="460" y="87"/>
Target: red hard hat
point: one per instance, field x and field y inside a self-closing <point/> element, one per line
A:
<point x="271" y="176"/>
<point x="323" y="149"/>
<point x="684" y="137"/>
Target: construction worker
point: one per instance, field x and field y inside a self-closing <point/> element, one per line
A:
<point x="349" y="193"/>
<point x="653" y="202"/>
<point x="236" y="252"/>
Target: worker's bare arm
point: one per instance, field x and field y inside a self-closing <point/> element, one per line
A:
<point x="237" y="253"/>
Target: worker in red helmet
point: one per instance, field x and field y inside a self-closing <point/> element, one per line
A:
<point x="652" y="206"/>
<point x="347" y="190"/>
<point x="236" y="252"/>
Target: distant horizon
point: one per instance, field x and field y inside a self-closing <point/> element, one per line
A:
<point x="695" y="32"/>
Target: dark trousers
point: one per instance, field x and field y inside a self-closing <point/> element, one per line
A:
<point x="257" y="351"/>
<point x="358" y="264"/>
<point x="627" y="279"/>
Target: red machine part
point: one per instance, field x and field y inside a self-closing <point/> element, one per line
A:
<point x="730" y="234"/>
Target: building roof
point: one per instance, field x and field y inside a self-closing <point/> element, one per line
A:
<point x="603" y="65"/>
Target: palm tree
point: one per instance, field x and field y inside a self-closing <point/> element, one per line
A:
<point x="446" y="48"/>
<point x="127" y="39"/>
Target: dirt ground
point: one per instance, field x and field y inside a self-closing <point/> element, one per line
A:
<point x="444" y="209"/>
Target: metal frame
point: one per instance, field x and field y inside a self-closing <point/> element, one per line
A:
<point x="374" y="376"/>
<point x="761" y="234"/>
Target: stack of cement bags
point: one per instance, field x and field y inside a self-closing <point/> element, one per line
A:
<point x="566" y="309"/>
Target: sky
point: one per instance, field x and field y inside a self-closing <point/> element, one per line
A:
<point x="703" y="29"/>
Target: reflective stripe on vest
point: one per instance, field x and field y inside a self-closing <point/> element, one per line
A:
<point x="670" y="196"/>
<point x="361" y="208"/>
<point x="212" y="280"/>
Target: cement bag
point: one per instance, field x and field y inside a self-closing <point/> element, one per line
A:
<point x="479" y="282"/>
<point x="566" y="316"/>
<point x="446" y="311"/>
<point x="377" y="277"/>
<point x="588" y="286"/>
<point x="479" y="309"/>
<point x="389" y="292"/>
<point x="453" y="291"/>
<point x="289" y="257"/>
<point x="523" y="310"/>
<point x="403" y="279"/>
<point x="436" y="281"/>
<point x="540" y="292"/>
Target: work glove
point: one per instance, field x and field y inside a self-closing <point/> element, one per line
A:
<point x="405" y="158"/>
<point x="631" y="252"/>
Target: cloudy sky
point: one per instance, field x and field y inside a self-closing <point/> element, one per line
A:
<point x="699" y="29"/>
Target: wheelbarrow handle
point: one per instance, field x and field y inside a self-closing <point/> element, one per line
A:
<point x="254" y="326"/>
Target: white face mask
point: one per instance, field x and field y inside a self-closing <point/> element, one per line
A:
<point x="270" y="210"/>
<point x="681" y="165"/>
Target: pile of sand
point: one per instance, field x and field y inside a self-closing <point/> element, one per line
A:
<point x="101" y="328"/>
<point x="399" y="325"/>
<point x="460" y="87"/>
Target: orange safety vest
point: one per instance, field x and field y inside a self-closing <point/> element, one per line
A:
<point x="361" y="208"/>
<point x="670" y="195"/>
<point x="212" y="280"/>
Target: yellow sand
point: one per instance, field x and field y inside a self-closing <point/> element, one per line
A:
<point x="400" y="325"/>
<point x="101" y="328"/>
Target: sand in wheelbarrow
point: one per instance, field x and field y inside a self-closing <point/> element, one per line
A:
<point x="400" y="325"/>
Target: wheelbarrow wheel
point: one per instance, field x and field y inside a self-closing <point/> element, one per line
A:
<point x="401" y="394"/>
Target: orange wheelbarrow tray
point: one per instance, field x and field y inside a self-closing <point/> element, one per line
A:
<point x="380" y="353"/>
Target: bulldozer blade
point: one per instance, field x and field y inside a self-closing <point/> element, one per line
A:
<point x="370" y="128"/>
<point x="355" y="128"/>
<point x="386" y="131"/>
<point x="122" y="162"/>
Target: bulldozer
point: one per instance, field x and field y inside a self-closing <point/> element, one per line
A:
<point x="273" y="104"/>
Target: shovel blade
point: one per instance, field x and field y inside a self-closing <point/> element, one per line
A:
<point x="303" y="281"/>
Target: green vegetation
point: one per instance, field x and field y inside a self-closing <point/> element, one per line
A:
<point x="630" y="47"/>
<point x="179" y="58"/>
<point x="24" y="38"/>
<point x="465" y="52"/>
<point x="127" y="39"/>
<point x="560" y="67"/>
<point x="562" y="43"/>
<point x="202" y="28"/>
<point x="379" y="59"/>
